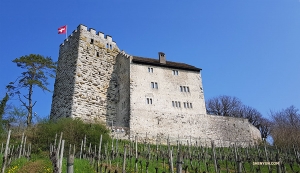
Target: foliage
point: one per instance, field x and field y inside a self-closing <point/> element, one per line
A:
<point x="2" y="108"/>
<point x="3" y="104"/>
<point x="73" y="131"/>
<point x="37" y="70"/>
<point x="285" y="128"/>
<point x="16" y="118"/>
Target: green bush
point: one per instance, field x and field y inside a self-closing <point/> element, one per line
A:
<point x="74" y="130"/>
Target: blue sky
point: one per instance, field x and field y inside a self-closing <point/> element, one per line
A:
<point x="249" y="49"/>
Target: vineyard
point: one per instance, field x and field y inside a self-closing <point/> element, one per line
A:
<point x="117" y="156"/>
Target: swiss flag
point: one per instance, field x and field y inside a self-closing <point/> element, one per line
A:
<point x="62" y="29"/>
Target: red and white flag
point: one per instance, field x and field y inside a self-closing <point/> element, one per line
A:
<point x="62" y="29"/>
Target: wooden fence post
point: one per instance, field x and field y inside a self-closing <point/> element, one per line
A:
<point x="6" y="152"/>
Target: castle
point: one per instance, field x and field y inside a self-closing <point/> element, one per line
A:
<point x="151" y="98"/>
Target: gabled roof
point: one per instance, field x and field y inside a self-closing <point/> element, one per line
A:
<point x="169" y="64"/>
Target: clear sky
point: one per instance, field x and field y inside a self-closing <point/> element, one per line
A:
<point x="249" y="49"/>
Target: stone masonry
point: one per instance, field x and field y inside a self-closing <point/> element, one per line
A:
<point x="153" y="99"/>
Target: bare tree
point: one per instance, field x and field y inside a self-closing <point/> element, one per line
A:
<point x="224" y="106"/>
<point x="264" y="127"/>
<point x="285" y="128"/>
<point x="253" y="116"/>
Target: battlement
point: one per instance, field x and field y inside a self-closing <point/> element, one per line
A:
<point x="92" y="33"/>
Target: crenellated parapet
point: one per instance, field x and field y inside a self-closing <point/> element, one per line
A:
<point x="93" y="37"/>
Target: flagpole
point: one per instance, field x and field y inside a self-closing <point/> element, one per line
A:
<point x="66" y="31"/>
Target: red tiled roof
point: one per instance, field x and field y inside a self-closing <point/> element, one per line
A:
<point x="169" y="64"/>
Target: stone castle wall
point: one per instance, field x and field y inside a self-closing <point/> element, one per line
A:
<point x="225" y="131"/>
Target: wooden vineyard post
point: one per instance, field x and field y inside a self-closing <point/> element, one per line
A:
<point x="20" y="150"/>
<point x="70" y="163"/>
<point x="239" y="164"/>
<point x="99" y="152"/>
<point x="170" y="157"/>
<point x="61" y="156"/>
<point x="214" y="156"/>
<point x="179" y="163"/>
<point x="80" y="155"/>
<point x="6" y="152"/>
<point x="136" y="155"/>
<point x="124" y="161"/>
<point x="279" y="165"/>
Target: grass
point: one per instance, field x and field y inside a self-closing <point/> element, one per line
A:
<point x="41" y="164"/>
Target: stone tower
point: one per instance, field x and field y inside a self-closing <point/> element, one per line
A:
<point x="86" y="81"/>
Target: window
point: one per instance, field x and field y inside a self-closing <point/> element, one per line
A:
<point x="184" y="89"/>
<point x="154" y="85"/>
<point x="107" y="45"/>
<point x="150" y="69"/>
<point x="176" y="104"/>
<point x="175" y="72"/>
<point x="110" y="47"/>
<point x="187" y="105"/>
<point x="149" y="101"/>
<point x="97" y="54"/>
<point x="92" y="41"/>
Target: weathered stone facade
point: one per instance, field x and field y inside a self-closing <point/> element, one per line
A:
<point x="151" y="98"/>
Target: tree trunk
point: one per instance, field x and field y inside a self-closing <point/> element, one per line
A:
<point x="29" y="116"/>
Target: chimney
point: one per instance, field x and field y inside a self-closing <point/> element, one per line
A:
<point x="162" y="57"/>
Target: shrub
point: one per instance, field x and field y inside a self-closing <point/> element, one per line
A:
<point x="74" y="130"/>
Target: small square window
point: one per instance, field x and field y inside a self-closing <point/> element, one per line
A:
<point x="149" y="101"/>
<point x="175" y="72"/>
<point x="150" y="69"/>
